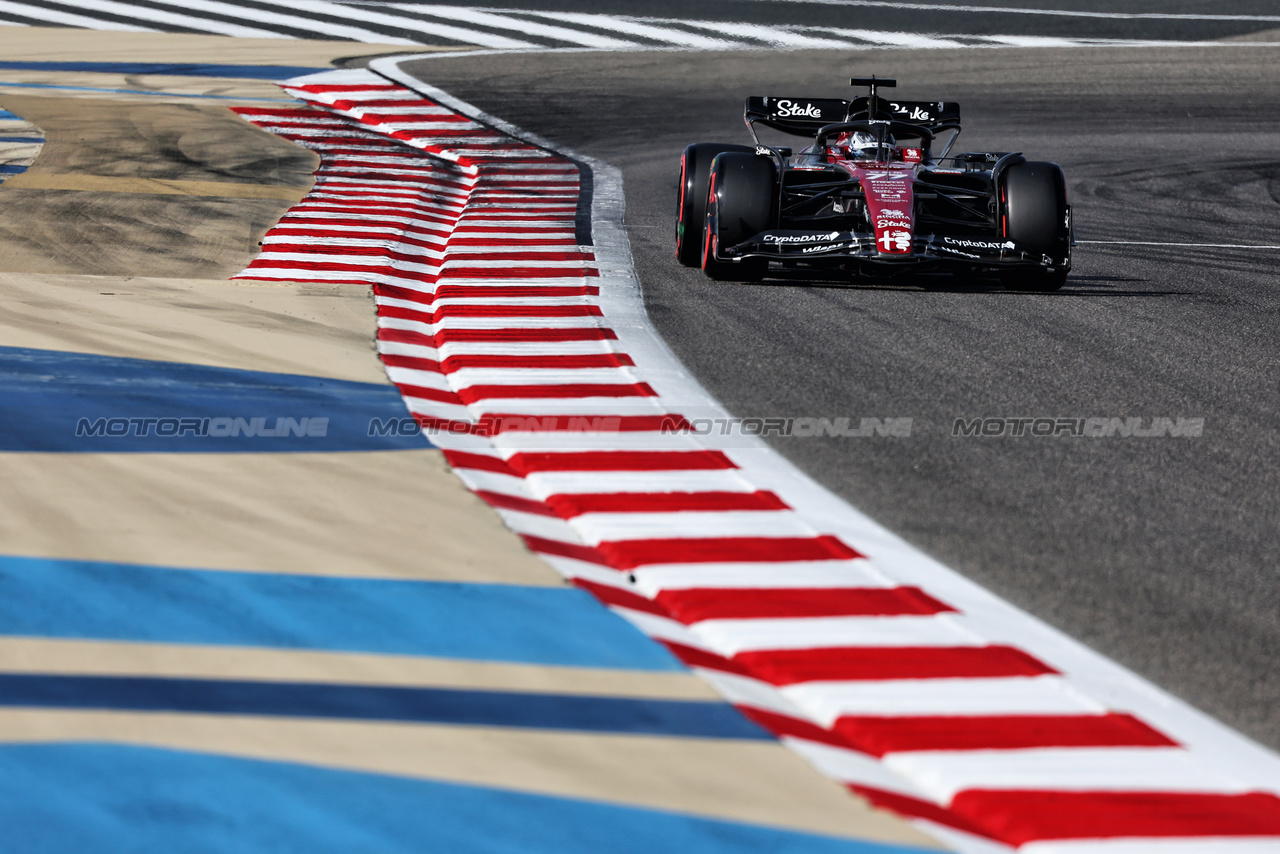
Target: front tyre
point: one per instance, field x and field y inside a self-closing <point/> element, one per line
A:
<point x="741" y="195"/>
<point x="1037" y="218"/>
<point x="691" y="201"/>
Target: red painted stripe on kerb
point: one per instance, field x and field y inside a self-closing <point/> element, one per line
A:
<point x="476" y="393"/>
<point x="1018" y="817"/>
<point x="429" y="315"/>
<point x="480" y="462"/>
<point x="620" y="597"/>
<point x="586" y="554"/>
<point x="522" y="272"/>
<point x="917" y="808"/>
<point x="459" y="363"/>
<point x="572" y="505"/>
<point x="597" y="461"/>
<point x="494" y="424"/>
<point x="694" y="605"/>
<point x="881" y="735"/>
<point x="514" y="502"/>
<point x="629" y="554"/>
<point x="792" y="666"/>
<point x="445" y="336"/>
<point x="446" y="291"/>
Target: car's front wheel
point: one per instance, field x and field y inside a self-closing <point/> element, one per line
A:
<point x="741" y="195"/>
<point x="1036" y="218"/>
<point x="691" y="201"/>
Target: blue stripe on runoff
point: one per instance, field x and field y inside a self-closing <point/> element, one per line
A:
<point x="72" y="798"/>
<point x="55" y="401"/>
<point x="633" y="716"/>
<point x="240" y="72"/>
<point x="493" y="622"/>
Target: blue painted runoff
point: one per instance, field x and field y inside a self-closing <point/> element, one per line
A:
<point x="564" y="626"/>
<point x="56" y="401"/>
<point x="450" y="706"/>
<point x="239" y="72"/>
<point x="73" y="798"/>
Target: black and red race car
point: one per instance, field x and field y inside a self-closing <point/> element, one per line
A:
<point x="870" y="195"/>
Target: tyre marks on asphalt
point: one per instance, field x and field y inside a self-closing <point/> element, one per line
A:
<point x="509" y="352"/>
<point x="20" y="144"/>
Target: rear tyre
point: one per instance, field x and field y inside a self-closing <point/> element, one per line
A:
<point x="1036" y="217"/>
<point x="691" y="201"/>
<point x="741" y="193"/>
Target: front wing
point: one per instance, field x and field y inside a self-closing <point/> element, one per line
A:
<point x="826" y="247"/>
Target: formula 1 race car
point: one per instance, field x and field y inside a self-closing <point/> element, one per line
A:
<point x="870" y="196"/>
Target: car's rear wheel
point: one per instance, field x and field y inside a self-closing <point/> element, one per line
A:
<point x="741" y="194"/>
<point x="1036" y="218"/>
<point x="691" y="202"/>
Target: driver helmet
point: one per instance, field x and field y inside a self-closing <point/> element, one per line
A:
<point x="860" y="144"/>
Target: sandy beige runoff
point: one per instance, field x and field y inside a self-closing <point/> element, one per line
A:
<point x="151" y="186"/>
<point x="131" y="189"/>
<point x="54" y="44"/>
<point x="316" y="330"/>
<point x="383" y="514"/>
<point x="114" y="658"/>
<point x="51" y="44"/>
<point x="758" y="782"/>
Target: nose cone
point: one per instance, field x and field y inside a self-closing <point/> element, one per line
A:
<point x="889" y="206"/>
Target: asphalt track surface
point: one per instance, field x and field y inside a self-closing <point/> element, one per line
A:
<point x="1160" y="553"/>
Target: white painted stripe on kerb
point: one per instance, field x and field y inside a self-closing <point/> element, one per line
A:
<point x="520" y="25"/>
<point x="414" y="24"/>
<point x="907" y="40"/>
<point x="1017" y="695"/>
<point x="852" y="767"/>
<point x="69" y="19"/>
<point x="1075" y="769"/>
<point x="835" y="574"/>
<point x="159" y="16"/>
<point x="296" y="22"/>
<point x="650" y="28"/>
<point x="775" y="36"/>
<point x="1200" y="845"/>
<point x="595" y="528"/>
<point x="1062" y="13"/>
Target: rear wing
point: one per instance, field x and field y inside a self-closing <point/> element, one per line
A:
<point x="807" y="116"/>
<point x="930" y="114"/>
